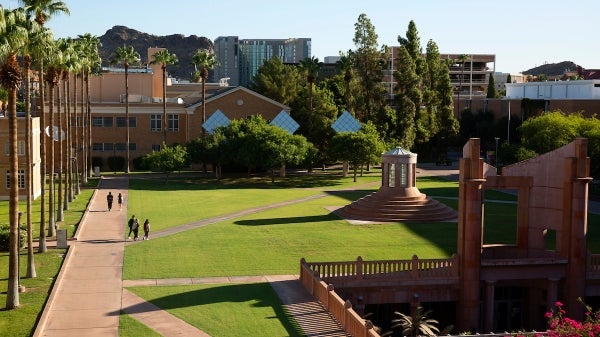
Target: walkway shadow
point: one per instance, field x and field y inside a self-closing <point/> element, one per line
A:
<point x="260" y="294"/>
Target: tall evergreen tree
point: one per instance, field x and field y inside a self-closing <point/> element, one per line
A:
<point x="407" y="93"/>
<point x="276" y="81"/>
<point x="491" y="89"/>
<point x="370" y="61"/>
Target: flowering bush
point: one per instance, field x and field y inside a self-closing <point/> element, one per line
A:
<point x="559" y="325"/>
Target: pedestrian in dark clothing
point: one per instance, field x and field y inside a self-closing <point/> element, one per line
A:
<point x="120" y="201"/>
<point x="135" y="228"/>
<point x="130" y="223"/>
<point x="146" y="229"/>
<point x="109" y="200"/>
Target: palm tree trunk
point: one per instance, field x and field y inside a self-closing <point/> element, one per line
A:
<point x="12" y="294"/>
<point x="42" y="248"/>
<point x="165" y="123"/>
<point x="127" y="115"/>
<point x="89" y="124"/>
<point x="51" y="208"/>
<point x="31" y="272"/>
<point x="59" y="205"/>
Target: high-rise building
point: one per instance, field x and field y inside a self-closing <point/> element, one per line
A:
<point x="227" y="54"/>
<point x="239" y="60"/>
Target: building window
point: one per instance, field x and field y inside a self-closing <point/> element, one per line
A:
<point x="106" y="122"/>
<point x="155" y="122"/>
<point x="120" y="147"/>
<point x="20" y="181"/>
<point x="20" y="148"/>
<point x="155" y="147"/>
<point x="121" y="122"/>
<point x="392" y="175"/>
<point x="173" y="122"/>
<point x="403" y="175"/>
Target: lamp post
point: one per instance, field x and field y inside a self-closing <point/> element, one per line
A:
<point x="496" y="155"/>
<point x="19" y="286"/>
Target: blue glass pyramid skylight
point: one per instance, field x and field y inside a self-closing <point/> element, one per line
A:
<point x="216" y="120"/>
<point x="284" y="121"/>
<point x="346" y="123"/>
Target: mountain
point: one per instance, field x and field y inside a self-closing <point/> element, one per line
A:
<point x="178" y="44"/>
<point x="553" y="69"/>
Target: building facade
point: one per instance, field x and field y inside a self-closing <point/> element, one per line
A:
<point x="239" y="59"/>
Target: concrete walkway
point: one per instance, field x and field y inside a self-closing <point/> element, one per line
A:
<point x="88" y="295"/>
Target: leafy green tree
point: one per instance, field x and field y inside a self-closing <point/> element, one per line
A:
<point x="164" y="58"/>
<point x="412" y="43"/>
<point x="357" y="148"/>
<point x="316" y="125"/>
<point x="168" y="159"/>
<point x="128" y="56"/>
<point x="491" y="88"/>
<point x="277" y="81"/>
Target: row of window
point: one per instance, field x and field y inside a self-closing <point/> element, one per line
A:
<point x="121" y="122"/>
<point x="114" y="147"/>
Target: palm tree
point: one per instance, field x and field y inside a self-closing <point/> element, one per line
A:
<point x="36" y="36"/>
<point x="416" y="324"/>
<point x="52" y="78"/>
<point x="461" y="59"/>
<point x="346" y="65"/>
<point x="204" y="60"/>
<point x="310" y="68"/>
<point x="13" y="37"/>
<point x="164" y="58"/>
<point x="90" y="61"/>
<point x="126" y="55"/>
<point x="42" y="11"/>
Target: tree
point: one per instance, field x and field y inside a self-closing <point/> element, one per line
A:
<point x="128" y="56"/>
<point x="491" y="88"/>
<point x="277" y="81"/>
<point x="91" y="61"/>
<point x="416" y="324"/>
<point x="168" y="159"/>
<point x="164" y="58"/>
<point x="357" y="148"/>
<point x="462" y="59"/>
<point x="403" y="129"/>
<point x="13" y="37"/>
<point x="42" y="11"/>
<point x="370" y="62"/>
<point x="310" y="68"/>
<point x="346" y="65"/>
<point x="203" y="60"/>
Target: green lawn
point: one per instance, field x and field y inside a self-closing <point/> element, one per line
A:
<point x="268" y="242"/>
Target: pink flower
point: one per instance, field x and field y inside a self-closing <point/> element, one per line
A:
<point x="558" y="304"/>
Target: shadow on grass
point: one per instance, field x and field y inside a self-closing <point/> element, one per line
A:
<point x="260" y="294"/>
<point x="285" y="221"/>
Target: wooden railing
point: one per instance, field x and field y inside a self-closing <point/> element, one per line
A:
<point x="397" y="269"/>
<point x="342" y="310"/>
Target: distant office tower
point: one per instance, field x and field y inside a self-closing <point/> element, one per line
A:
<point x="239" y="60"/>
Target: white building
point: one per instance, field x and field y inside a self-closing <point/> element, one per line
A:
<point x="580" y="89"/>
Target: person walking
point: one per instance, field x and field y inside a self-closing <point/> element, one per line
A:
<point x="109" y="200"/>
<point x="120" y="201"/>
<point x="130" y="223"/>
<point x="146" y="229"/>
<point x="135" y="228"/>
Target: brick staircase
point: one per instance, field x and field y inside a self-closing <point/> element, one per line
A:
<point x="387" y="207"/>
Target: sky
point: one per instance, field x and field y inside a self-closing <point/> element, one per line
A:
<point x="523" y="34"/>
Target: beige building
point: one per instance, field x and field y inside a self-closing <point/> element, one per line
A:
<point x="36" y="162"/>
<point x="183" y="111"/>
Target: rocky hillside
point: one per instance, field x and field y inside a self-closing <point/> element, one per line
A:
<point x="182" y="46"/>
<point x="552" y="69"/>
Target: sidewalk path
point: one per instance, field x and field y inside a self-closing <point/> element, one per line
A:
<point x="89" y="293"/>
